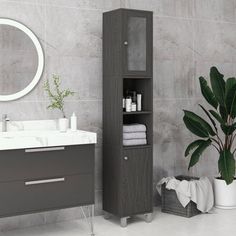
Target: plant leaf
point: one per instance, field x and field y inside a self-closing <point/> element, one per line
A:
<point x="193" y="145"/>
<point x="217" y="117"/>
<point x="228" y="129"/>
<point x="226" y="166"/>
<point x="207" y="93"/>
<point x="218" y="85"/>
<point x="230" y="82"/>
<point x="198" y="152"/>
<point x="209" y="116"/>
<point x="231" y="101"/>
<point x="57" y="96"/>
<point x="223" y="113"/>
<point x="195" y="127"/>
<point x="203" y="123"/>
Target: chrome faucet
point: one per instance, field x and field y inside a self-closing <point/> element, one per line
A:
<point x="4" y="122"/>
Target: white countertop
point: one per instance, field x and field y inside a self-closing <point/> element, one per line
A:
<point x="37" y="138"/>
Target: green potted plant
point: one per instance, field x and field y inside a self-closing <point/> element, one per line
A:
<point x="57" y="97"/>
<point x="218" y="132"/>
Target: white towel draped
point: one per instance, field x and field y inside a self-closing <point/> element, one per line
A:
<point x="199" y="191"/>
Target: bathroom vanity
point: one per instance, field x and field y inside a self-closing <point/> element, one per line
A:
<point x="41" y="169"/>
<point x="46" y="170"/>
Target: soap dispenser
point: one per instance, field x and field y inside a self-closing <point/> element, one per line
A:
<point x="73" y="122"/>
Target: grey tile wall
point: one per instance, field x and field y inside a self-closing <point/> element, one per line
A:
<point x="189" y="37"/>
<point x="71" y="35"/>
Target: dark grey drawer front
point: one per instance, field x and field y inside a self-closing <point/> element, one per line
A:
<point x="25" y="197"/>
<point x="25" y="164"/>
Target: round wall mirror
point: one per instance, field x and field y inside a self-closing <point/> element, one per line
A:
<point x="21" y="60"/>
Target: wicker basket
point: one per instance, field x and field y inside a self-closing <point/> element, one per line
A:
<point x="171" y="204"/>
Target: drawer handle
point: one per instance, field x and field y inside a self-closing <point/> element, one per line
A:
<point x="44" y="181"/>
<point x="126" y="158"/>
<point x="45" y="149"/>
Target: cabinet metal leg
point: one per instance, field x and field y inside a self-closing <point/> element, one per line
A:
<point x="107" y="216"/>
<point x="148" y="217"/>
<point x="123" y="221"/>
<point x="91" y="221"/>
<point x="89" y="218"/>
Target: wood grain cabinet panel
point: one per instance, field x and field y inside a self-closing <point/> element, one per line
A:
<point x="127" y="66"/>
<point x="35" y="180"/>
<point x="136" y="181"/>
<point x="19" y="198"/>
<point x="20" y="164"/>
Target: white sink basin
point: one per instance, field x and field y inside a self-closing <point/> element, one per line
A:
<point x="44" y="138"/>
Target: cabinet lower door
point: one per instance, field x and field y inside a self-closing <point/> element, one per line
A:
<point x="136" y="185"/>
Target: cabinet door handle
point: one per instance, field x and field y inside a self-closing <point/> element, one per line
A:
<point x="126" y="158"/>
<point x="44" y="181"/>
<point x="125" y="43"/>
<point x="47" y="149"/>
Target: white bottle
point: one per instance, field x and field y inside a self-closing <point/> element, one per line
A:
<point x="73" y="122"/>
<point x="139" y="102"/>
<point x="128" y="102"/>
<point x="133" y="106"/>
<point x="123" y="104"/>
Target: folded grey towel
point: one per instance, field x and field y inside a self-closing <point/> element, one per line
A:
<point x="134" y="135"/>
<point x="134" y="128"/>
<point x="134" y="142"/>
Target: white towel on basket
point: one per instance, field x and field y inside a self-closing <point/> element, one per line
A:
<point x="199" y="191"/>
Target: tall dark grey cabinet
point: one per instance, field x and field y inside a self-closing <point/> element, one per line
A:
<point x="127" y="65"/>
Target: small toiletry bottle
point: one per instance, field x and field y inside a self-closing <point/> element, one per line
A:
<point x="134" y="97"/>
<point x="139" y="102"/>
<point x="73" y="122"/>
<point x="133" y="106"/>
<point x="123" y="104"/>
<point x="127" y="93"/>
<point x="128" y="102"/>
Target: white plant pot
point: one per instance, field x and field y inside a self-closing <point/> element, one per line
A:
<point x="63" y="124"/>
<point x="225" y="195"/>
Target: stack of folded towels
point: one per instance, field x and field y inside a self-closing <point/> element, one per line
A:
<point x="134" y="134"/>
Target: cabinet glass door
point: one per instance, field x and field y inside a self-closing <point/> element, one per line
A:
<point x="138" y="43"/>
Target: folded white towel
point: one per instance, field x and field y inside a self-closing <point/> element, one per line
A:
<point x="134" y="135"/>
<point x="133" y="142"/>
<point x="130" y="128"/>
<point x="199" y="191"/>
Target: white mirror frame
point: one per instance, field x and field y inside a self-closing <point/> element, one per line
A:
<point x="35" y="80"/>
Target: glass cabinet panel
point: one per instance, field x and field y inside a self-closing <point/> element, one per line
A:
<point x="136" y="47"/>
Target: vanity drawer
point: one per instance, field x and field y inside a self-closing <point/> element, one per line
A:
<point x="46" y="162"/>
<point x="45" y="194"/>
